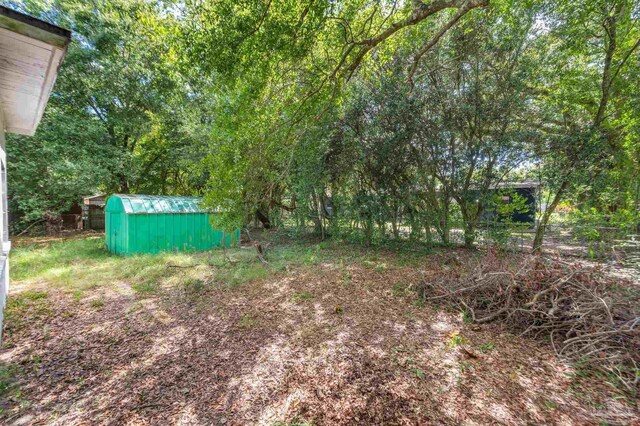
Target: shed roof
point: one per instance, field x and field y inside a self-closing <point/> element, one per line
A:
<point x="95" y="200"/>
<point x="159" y="204"/>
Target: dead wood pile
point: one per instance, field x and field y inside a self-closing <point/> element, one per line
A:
<point x="580" y="309"/>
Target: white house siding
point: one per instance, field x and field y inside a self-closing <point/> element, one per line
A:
<point x="6" y="245"/>
<point x="31" y="52"/>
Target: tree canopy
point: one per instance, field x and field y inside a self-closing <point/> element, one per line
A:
<point x="368" y="117"/>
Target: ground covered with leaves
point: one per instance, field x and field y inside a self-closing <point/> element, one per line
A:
<point x="325" y="333"/>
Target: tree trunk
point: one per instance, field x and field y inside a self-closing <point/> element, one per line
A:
<point x="264" y="219"/>
<point x="445" y="234"/>
<point x="124" y="185"/>
<point x="469" y="223"/>
<point x="469" y="234"/>
<point x="537" y="241"/>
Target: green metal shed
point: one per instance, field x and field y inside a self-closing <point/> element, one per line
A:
<point x="154" y="224"/>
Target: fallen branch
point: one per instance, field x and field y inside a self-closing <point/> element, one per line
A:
<point x="30" y="226"/>
<point x="260" y="252"/>
<point x="169" y="265"/>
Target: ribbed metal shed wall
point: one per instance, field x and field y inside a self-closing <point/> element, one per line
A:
<point x="154" y="224"/>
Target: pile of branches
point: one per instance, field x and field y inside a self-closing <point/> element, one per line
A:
<point x="577" y="307"/>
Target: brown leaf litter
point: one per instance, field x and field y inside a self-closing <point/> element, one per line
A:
<point x="304" y="345"/>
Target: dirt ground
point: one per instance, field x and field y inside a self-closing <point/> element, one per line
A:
<point x="325" y="344"/>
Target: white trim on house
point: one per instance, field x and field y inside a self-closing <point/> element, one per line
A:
<point x="31" y="52"/>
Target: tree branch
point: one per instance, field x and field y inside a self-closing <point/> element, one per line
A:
<point x="427" y="46"/>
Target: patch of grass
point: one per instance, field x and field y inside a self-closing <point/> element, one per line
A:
<point x="144" y="287"/>
<point x="97" y="303"/>
<point x="399" y="289"/>
<point x="486" y="347"/>
<point x="193" y="286"/>
<point x="345" y="278"/>
<point x="418" y="372"/>
<point x="550" y="405"/>
<point x="81" y="264"/>
<point x="243" y="273"/>
<point x="84" y="263"/>
<point x="246" y="321"/>
<point x="380" y="267"/>
<point x="24" y="307"/>
<point x="34" y="295"/>
<point x="581" y="370"/>
<point x="301" y="296"/>
<point x="8" y="384"/>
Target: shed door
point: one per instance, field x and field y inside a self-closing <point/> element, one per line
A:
<point x="116" y="238"/>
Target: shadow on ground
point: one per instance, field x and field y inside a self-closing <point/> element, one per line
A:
<point x="325" y="344"/>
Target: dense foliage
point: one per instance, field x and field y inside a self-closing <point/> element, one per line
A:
<point x="368" y="118"/>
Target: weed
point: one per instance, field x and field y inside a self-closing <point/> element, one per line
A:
<point x="486" y="347"/>
<point x="581" y="370"/>
<point x="466" y="317"/>
<point x="346" y="278"/>
<point x="192" y="285"/>
<point x="246" y="321"/>
<point x="97" y="303"/>
<point x="550" y="405"/>
<point x="380" y="267"/>
<point x="77" y="295"/>
<point x="34" y="295"/>
<point x="455" y="339"/>
<point x="399" y="289"/>
<point x="418" y="372"/>
<point x="242" y="273"/>
<point x="464" y="366"/>
<point x="144" y="287"/>
<point x="301" y="296"/>
<point x="8" y="382"/>
<point x="369" y="264"/>
<point x="398" y="349"/>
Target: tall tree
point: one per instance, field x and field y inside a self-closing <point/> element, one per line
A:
<point x="585" y="93"/>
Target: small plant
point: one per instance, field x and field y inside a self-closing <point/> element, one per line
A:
<point x="550" y="405"/>
<point x="455" y="339"/>
<point x="380" y="267"/>
<point x="144" y="287"/>
<point x="301" y="296"/>
<point x="486" y="347"/>
<point x="246" y="321"/>
<point x="466" y="317"/>
<point x="8" y="383"/>
<point x="34" y="295"/>
<point x="77" y="295"/>
<point x="346" y="278"/>
<point x="399" y="289"/>
<point x="193" y="285"/>
<point x="418" y="372"/>
<point x="464" y="366"/>
<point x="97" y="303"/>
